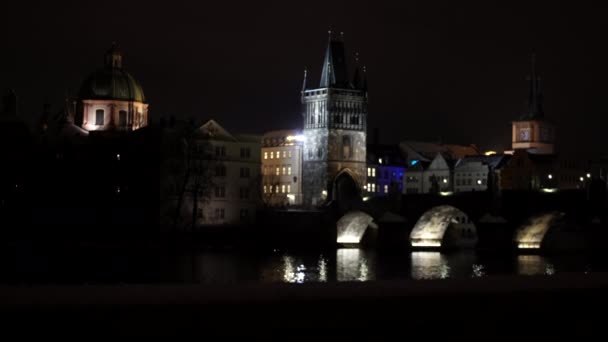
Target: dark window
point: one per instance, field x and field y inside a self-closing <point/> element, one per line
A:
<point x="319" y="153"/>
<point x="244" y="193"/>
<point x="220" y="171"/>
<point x="354" y="120"/>
<point x="244" y="214"/>
<point x="220" y="151"/>
<point x="200" y="213"/>
<point x="219" y="213"/>
<point x="244" y="172"/>
<point x="122" y="118"/>
<point x="99" y="117"/>
<point x="220" y="191"/>
<point x="245" y="152"/>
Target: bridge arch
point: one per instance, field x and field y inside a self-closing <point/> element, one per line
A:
<point x="444" y="227"/>
<point x="352" y="227"/>
<point x="551" y="231"/>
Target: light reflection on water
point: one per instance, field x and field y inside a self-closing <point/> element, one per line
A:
<point x="354" y="265"/>
<point x="534" y="265"/>
<point x="429" y="265"/>
<point x="291" y="267"/>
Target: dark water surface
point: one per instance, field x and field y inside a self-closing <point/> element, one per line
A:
<point x="117" y="267"/>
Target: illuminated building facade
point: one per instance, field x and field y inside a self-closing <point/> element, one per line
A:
<point x="532" y="132"/>
<point x="282" y="167"/>
<point x="111" y="99"/>
<point x="478" y="173"/>
<point x="385" y="170"/>
<point x="229" y="169"/>
<point x="335" y="121"/>
<point x="429" y="177"/>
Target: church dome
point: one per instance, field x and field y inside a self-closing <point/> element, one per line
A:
<point x="112" y="82"/>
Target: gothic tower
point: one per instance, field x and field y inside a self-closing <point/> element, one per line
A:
<point x="532" y="132"/>
<point x="335" y="117"/>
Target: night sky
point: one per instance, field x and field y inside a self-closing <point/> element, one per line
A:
<point x="445" y="70"/>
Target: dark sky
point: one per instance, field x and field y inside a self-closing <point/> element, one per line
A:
<point x="453" y="70"/>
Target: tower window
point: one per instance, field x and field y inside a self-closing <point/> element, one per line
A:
<point x="99" y="117"/>
<point x="319" y="153"/>
<point x="122" y="118"/>
<point x="346" y="147"/>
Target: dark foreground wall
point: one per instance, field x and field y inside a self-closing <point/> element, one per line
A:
<point x="478" y="309"/>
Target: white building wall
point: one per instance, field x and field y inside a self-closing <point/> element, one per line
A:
<point x="112" y="108"/>
<point x="231" y="204"/>
<point x="470" y="177"/>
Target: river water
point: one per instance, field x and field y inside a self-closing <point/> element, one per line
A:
<point x="226" y="267"/>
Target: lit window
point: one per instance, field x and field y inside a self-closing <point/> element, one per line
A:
<point x="385" y="189"/>
<point x="373" y="187"/>
<point x="276" y="189"/>
<point x="369" y="172"/>
<point x="284" y="170"/>
<point x="283" y="188"/>
<point x="278" y="171"/>
<point x="379" y="160"/>
<point x="373" y="172"/>
<point x="271" y="154"/>
<point x="265" y="189"/>
<point x="265" y="155"/>
<point x="289" y="170"/>
<point x="289" y="154"/>
<point x="289" y="188"/>
<point x="284" y="154"/>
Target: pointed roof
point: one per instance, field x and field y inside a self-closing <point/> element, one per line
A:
<point x="535" y="99"/>
<point x="357" y="80"/>
<point x="334" y="66"/>
<point x="213" y="131"/>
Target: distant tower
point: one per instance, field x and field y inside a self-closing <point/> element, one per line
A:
<point x="532" y="132"/>
<point x="335" y="120"/>
<point x="111" y="99"/>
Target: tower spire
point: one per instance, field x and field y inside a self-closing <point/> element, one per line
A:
<point x="357" y="84"/>
<point x="535" y="100"/>
<point x="334" y="65"/>
<point x="114" y="57"/>
<point x="304" y="81"/>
